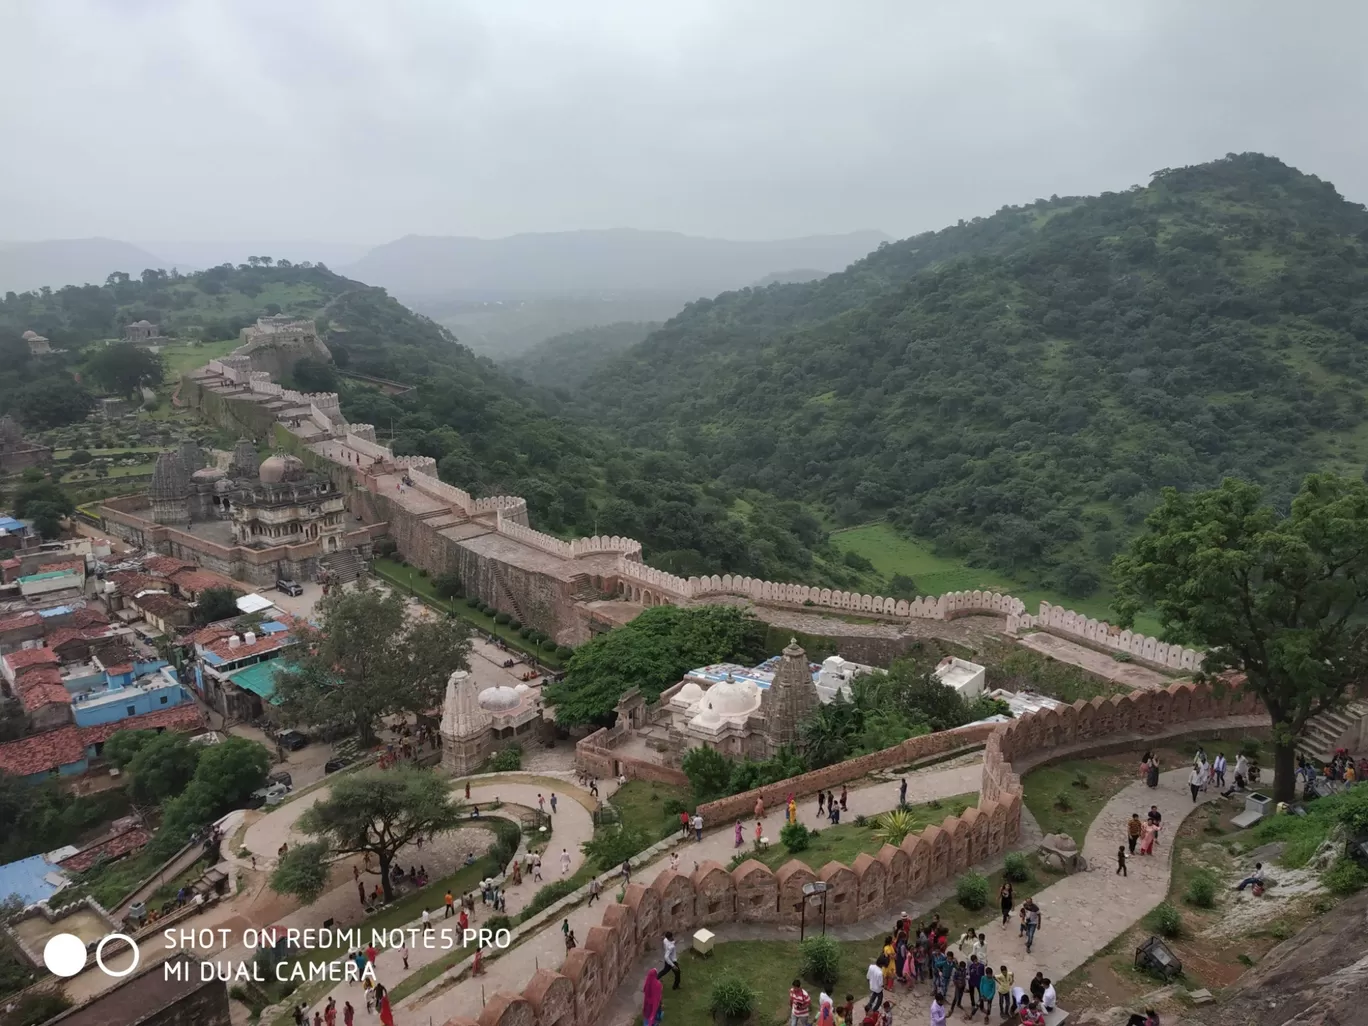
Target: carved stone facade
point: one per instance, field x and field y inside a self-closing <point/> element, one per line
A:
<point x="790" y="700"/>
<point x="466" y="726"/>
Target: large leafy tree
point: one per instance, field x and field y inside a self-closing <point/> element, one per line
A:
<point x="652" y="652"/>
<point x="369" y="658"/>
<point x="1280" y="597"/>
<point x="163" y="767"/>
<point x="375" y="811"/>
<point x="124" y="367"/>
<point x="216" y="604"/>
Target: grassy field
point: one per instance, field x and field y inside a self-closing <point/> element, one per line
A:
<point x="642" y="805"/>
<point x="180" y="358"/>
<point x="842" y="843"/>
<point x="1047" y="790"/>
<point x="892" y="553"/>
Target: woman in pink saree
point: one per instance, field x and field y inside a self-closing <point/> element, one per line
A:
<point x="651" y="1002"/>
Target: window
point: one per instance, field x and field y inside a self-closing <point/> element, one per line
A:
<point x="131" y="710"/>
<point x="163" y="699"/>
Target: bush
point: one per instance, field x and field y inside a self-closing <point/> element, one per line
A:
<point x="1165" y="920"/>
<point x="821" y="961"/>
<point x="1249" y="748"/>
<point x="1080" y="779"/>
<point x="546" y="897"/>
<point x="563" y="652"/>
<point x="794" y="837"/>
<point x="611" y="848"/>
<point x="672" y="808"/>
<point x="498" y="922"/>
<point x="473" y="602"/>
<point x="507" y="760"/>
<point x="1015" y="867"/>
<point x="971" y="890"/>
<point x="548" y="645"/>
<point x="1063" y="802"/>
<point x="502" y="618"/>
<point x="1201" y="890"/>
<point x="385" y="547"/>
<point x="1344" y="877"/>
<point x="80" y="458"/>
<point x="733" y="999"/>
<point x="422" y="572"/>
<point x="524" y="632"/>
<point x="516" y="624"/>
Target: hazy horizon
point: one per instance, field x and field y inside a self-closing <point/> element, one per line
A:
<point x="344" y="123"/>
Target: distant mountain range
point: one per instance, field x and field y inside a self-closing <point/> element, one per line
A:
<point x="25" y="266"/>
<point x="615" y="260"/>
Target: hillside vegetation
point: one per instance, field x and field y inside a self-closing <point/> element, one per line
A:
<point x="1017" y="389"/>
<point x="567" y="361"/>
<point x="489" y="433"/>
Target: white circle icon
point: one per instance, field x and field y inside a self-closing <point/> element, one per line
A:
<point x="64" y="954"/>
<point x="99" y="954"/>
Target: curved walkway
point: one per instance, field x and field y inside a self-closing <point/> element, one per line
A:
<point x="1083" y="913"/>
<point x="546" y="950"/>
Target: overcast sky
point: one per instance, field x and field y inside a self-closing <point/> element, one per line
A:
<point x="361" y="121"/>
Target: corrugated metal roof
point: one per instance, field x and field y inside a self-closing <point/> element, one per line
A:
<point x="259" y="679"/>
<point x="28" y="879"/>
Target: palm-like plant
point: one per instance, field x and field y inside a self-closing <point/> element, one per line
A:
<point x="894" y="826"/>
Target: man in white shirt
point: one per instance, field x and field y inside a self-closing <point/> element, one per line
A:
<point x="875" y="976"/>
<point x="1196" y="781"/>
<point x="1256" y="877"/>
<point x="671" y="960"/>
<point x="1219" y="767"/>
<point x="980" y="948"/>
<point x="1049" y="999"/>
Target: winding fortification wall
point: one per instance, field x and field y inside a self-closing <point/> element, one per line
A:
<point x="577" y="993"/>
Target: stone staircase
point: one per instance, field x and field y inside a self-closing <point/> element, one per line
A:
<point x="508" y="592"/>
<point x="344" y="566"/>
<point x="1331" y="730"/>
<point x="582" y="587"/>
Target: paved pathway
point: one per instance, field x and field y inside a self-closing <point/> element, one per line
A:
<point x="547" y="948"/>
<point x="1132" y="675"/>
<point x="572" y="825"/>
<point x="1083" y="913"/>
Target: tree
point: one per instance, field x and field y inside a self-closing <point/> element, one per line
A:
<point x="216" y="604"/>
<point x="652" y="652"/>
<point x="163" y="767"/>
<point x="124" y="745"/>
<point x="375" y="811"/>
<point x="447" y="585"/>
<point x="1280" y="598"/>
<point x="54" y="403"/>
<point x="303" y="871"/>
<point x="124" y="368"/>
<point x="369" y="658"/>
<point x="709" y="772"/>
<point x="311" y="375"/>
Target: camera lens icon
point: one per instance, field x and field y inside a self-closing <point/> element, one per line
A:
<point x="64" y="954"/>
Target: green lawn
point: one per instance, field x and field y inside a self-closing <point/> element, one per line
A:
<point x="892" y="553"/>
<point x="409" y="579"/>
<point x="178" y="359"/>
<point x="842" y="843"/>
<point x="1044" y="787"/>
<point x="642" y="803"/>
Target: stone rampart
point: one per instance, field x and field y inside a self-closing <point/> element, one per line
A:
<point x="1103" y="636"/>
<point x="578" y="992"/>
<point x="725" y="810"/>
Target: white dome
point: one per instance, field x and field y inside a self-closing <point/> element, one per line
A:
<point x="708" y="718"/>
<point x="520" y="688"/>
<point x="733" y="697"/>
<point x="499" y="698"/>
<point x="688" y="695"/>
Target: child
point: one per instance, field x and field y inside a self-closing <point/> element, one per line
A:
<point x="1121" y="861"/>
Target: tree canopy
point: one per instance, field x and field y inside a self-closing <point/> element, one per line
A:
<point x="124" y="368"/>
<point x="45" y="503"/>
<point x="375" y="811"/>
<point x="216" y="604"/>
<point x="368" y="658"/>
<point x="1281" y="598"/>
<point x="652" y="652"/>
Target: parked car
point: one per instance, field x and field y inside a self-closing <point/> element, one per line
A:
<point x="272" y="794"/>
<point x="281" y="777"/>
<point x="333" y="765"/>
<point x="288" y="586"/>
<point x="292" y="740"/>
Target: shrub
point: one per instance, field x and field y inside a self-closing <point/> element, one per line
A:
<point x="473" y="602"/>
<point x="1080" y="780"/>
<point x="548" y="896"/>
<point x="498" y="922"/>
<point x="732" y="998"/>
<point x="861" y="820"/>
<point x="507" y="760"/>
<point x="821" y="961"/>
<point x="524" y="632"/>
<point x="385" y="546"/>
<point x="515" y="623"/>
<point x="672" y="808"/>
<point x="1344" y="877"/>
<point x="1201" y="890"/>
<point x="1165" y="920"/>
<point x="611" y="848"/>
<point x="80" y="458"/>
<point x="971" y="890"/>
<point x="894" y="826"/>
<point x="794" y="837"/>
<point x="548" y="645"/>
<point x="1015" y="867"/>
<point x="422" y="572"/>
<point x="563" y="652"/>
<point x="1249" y="748"/>
<point x="502" y="618"/>
<point x="1063" y="802"/>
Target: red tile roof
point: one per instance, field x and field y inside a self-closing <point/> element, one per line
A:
<point x="264" y="643"/>
<point x="43" y="752"/>
<point x="159" y="603"/>
<point x="21" y="622"/>
<point x="78" y="563"/>
<point x="110" y="848"/>
<point x="185" y="717"/>
<point x="41" y="687"/>
<point x="27" y="657"/>
<point x="130" y="582"/>
<point x="88" y="616"/>
<point x="164" y="565"/>
<point x="196" y="581"/>
<point x="62" y="635"/>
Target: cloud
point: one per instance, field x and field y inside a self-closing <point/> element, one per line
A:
<point x="346" y="120"/>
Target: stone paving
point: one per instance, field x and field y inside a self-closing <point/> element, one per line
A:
<point x="547" y="949"/>
<point x="1083" y="913"/>
<point x="1131" y="675"/>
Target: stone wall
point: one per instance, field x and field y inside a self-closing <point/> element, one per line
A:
<point x="1103" y="636"/>
<point x="594" y="756"/>
<point x="725" y="810"/>
<point x="577" y="994"/>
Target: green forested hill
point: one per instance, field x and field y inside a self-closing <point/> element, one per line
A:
<point x="489" y="433"/>
<point x="1018" y="388"/>
<point x="568" y="360"/>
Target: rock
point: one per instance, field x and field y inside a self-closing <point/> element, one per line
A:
<point x="1201" y="997"/>
<point x="1060" y="842"/>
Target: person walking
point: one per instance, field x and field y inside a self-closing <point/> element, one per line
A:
<point x="988" y="986"/>
<point x="902" y="792"/>
<point x="683" y="826"/>
<point x="1134" y="828"/>
<point x="759" y="808"/>
<point x="1005" y="901"/>
<point x="845" y="793"/>
<point x="1196" y="781"/>
<point x="874" y="974"/>
<point x="348" y="1014"/>
<point x="626" y="872"/>
<point x="698" y="826"/>
<point x="1032" y="922"/>
<point x="739" y="840"/>
<point x="671" y="964"/>
<point x="450" y="900"/>
<point x="1121" y="860"/>
<point x="553" y="803"/>
<point x="1006" y="980"/>
<point x="959" y="978"/>
<point x="653" y="994"/>
<point x="565" y="861"/>
<point x="800" y="1004"/>
<point x="594" y="888"/>
<point x="938" y="1013"/>
<point x="1219" y="767"/>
